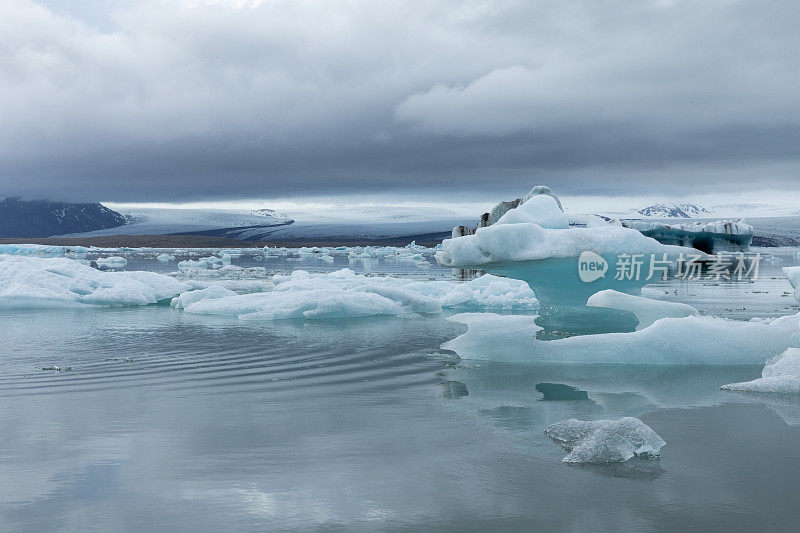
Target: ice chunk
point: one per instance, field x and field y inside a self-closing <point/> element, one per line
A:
<point x="793" y="273"/>
<point x="111" y="262"/>
<point x="165" y="258"/>
<point x="781" y="375"/>
<point x="209" y="293"/>
<point x="688" y="340"/>
<point x="646" y="310"/>
<point x="33" y="282"/>
<point x="605" y="441"/>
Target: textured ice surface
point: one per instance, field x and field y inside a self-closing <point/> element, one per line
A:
<point x="30" y="282"/>
<point x="344" y="294"/>
<point x="605" y="441"/>
<point x="731" y="235"/>
<point x="781" y="375"/>
<point x="646" y="310"/>
<point x="111" y="262"/>
<point x="688" y="340"/>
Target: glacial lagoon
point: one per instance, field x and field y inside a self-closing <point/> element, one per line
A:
<point x="152" y="418"/>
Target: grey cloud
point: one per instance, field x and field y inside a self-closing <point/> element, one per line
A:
<point x="147" y="101"/>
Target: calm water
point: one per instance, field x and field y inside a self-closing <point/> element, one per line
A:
<point x="171" y="421"/>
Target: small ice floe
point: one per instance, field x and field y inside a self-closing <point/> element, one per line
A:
<point x="113" y="262"/>
<point x="781" y="375"/>
<point x="605" y="441"/>
<point x="165" y="258"/>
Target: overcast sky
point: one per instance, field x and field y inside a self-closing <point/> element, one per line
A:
<point x="179" y="100"/>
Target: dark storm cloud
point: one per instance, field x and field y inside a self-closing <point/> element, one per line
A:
<point x="173" y="101"/>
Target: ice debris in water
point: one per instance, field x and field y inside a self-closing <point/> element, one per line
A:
<point x="781" y="375"/>
<point x="647" y="310"/>
<point x="34" y="282"/>
<point x="165" y="258"/>
<point x="605" y="441"/>
<point x="111" y="262"/>
<point x="344" y="294"/>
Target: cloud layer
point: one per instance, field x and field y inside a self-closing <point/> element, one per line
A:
<point x="175" y="100"/>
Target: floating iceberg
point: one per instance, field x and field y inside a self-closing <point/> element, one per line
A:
<point x="311" y="304"/>
<point x="111" y="262"/>
<point x="605" y="441"/>
<point x="647" y="310"/>
<point x="688" y="340"/>
<point x="344" y="294"/>
<point x="709" y="237"/>
<point x="781" y="375"/>
<point x="165" y="258"/>
<point x="33" y="282"/>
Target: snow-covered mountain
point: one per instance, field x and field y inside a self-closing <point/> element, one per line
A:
<point x="674" y="211"/>
<point x="42" y="218"/>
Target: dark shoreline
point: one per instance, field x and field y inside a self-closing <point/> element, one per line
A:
<point x="202" y="241"/>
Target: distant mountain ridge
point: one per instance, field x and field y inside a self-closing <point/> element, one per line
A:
<point x="43" y="218"/>
<point x="674" y="210"/>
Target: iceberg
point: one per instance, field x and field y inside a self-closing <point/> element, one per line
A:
<point x="34" y="282"/>
<point x="647" y="310"/>
<point x="708" y="237"/>
<point x="605" y="441"/>
<point x="41" y="249"/>
<point x="781" y="375"/>
<point x="345" y="294"/>
<point x="687" y="340"/>
<point x="311" y="304"/>
<point x="165" y="258"/>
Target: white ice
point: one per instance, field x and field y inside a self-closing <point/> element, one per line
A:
<point x="781" y="375"/>
<point x="688" y="340"/>
<point x="33" y="282"/>
<point x="647" y="310"/>
<point x="605" y="441"/>
<point x="540" y="209"/>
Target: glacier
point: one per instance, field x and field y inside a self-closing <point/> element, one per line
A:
<point x="605" y="441"/>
